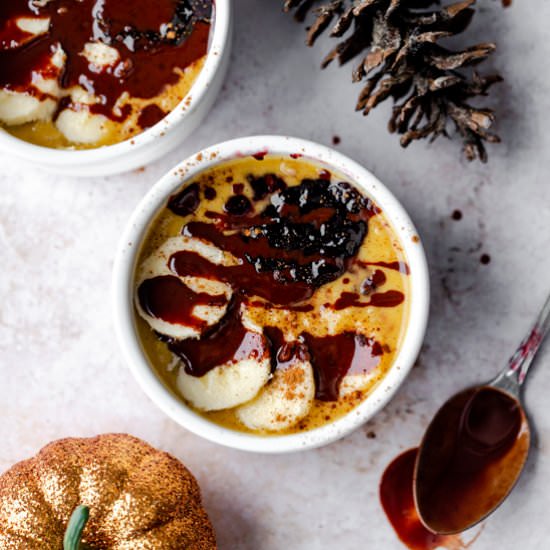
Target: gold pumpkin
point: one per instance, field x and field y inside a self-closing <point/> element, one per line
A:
<point x="138" y="498"/>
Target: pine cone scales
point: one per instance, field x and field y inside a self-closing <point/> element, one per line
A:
<point x="405" y="61"/>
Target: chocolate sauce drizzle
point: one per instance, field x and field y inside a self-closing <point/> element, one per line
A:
<point x="462" y="450"/>
<point x="153" y="40"/>
<point x="402" y="267"/>
<point x="304" y="237"/>
<point x="226" y="341"/>
<point x="167" y="298"/>
<point x="332" y="357"/>
<point x="390" y="298"/>
<point x="186" y="201"/>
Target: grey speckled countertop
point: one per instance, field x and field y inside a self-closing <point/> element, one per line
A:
<point x="60" y="370"/>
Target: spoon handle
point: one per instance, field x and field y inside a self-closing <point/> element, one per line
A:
<point x="515" y="372"/>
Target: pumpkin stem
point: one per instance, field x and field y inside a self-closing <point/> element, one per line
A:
<point x="76" y="525"/>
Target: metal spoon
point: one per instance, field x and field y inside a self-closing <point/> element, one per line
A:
<point x="476" y="446"/>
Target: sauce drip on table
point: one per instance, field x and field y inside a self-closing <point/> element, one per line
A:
<point x="396" y="496"/>
<point x="154" y="40"/>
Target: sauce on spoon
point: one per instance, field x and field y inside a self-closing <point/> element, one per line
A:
<point x="470" y="458"/>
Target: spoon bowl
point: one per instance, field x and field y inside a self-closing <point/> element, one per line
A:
<point x="475" y="448"/>
<point x="470" y="458"/>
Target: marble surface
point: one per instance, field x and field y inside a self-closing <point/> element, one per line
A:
<point x="60" y="370"/>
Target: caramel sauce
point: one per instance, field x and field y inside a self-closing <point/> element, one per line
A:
<point x="150" y="63"/>
<point x="470" y="457"/>
<point x="396" y="496"/>
<point x="472" y="453"/>
<point x="293" y="301"/>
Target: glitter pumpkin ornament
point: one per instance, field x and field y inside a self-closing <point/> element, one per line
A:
<point x="111" y="492"/>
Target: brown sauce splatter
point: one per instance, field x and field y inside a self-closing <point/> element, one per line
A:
<point x="209" y="193"/>
<point x="332" y="357"/>
<point x="283" y="353"/>
<point x="299" y="308"/>
<point x="372" y="282"/>
<point x="396" y="496"/>
<point x="260" y="155"/>
<point x="390" y="298"/>
<point x="238" y="205"/>
<point x="347" y="299"/>
<point x="242" y="277"/>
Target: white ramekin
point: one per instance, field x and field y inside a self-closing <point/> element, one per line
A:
<point x="123" y="305"/>
<point x="154" y="142"/>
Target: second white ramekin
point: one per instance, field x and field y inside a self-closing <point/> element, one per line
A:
<point x="154" y="142"/>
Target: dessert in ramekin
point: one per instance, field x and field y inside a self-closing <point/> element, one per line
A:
<point x="274" y="291"/>
<point x="85" y="82"/>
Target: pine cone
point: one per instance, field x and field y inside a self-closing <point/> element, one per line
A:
<point x="404" y="60"/>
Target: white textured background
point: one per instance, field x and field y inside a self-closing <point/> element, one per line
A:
<point x="60" y="370"/>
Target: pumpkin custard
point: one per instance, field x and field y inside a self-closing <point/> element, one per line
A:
<point x="82" y="74"/>
<point x="271" y="295"/>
